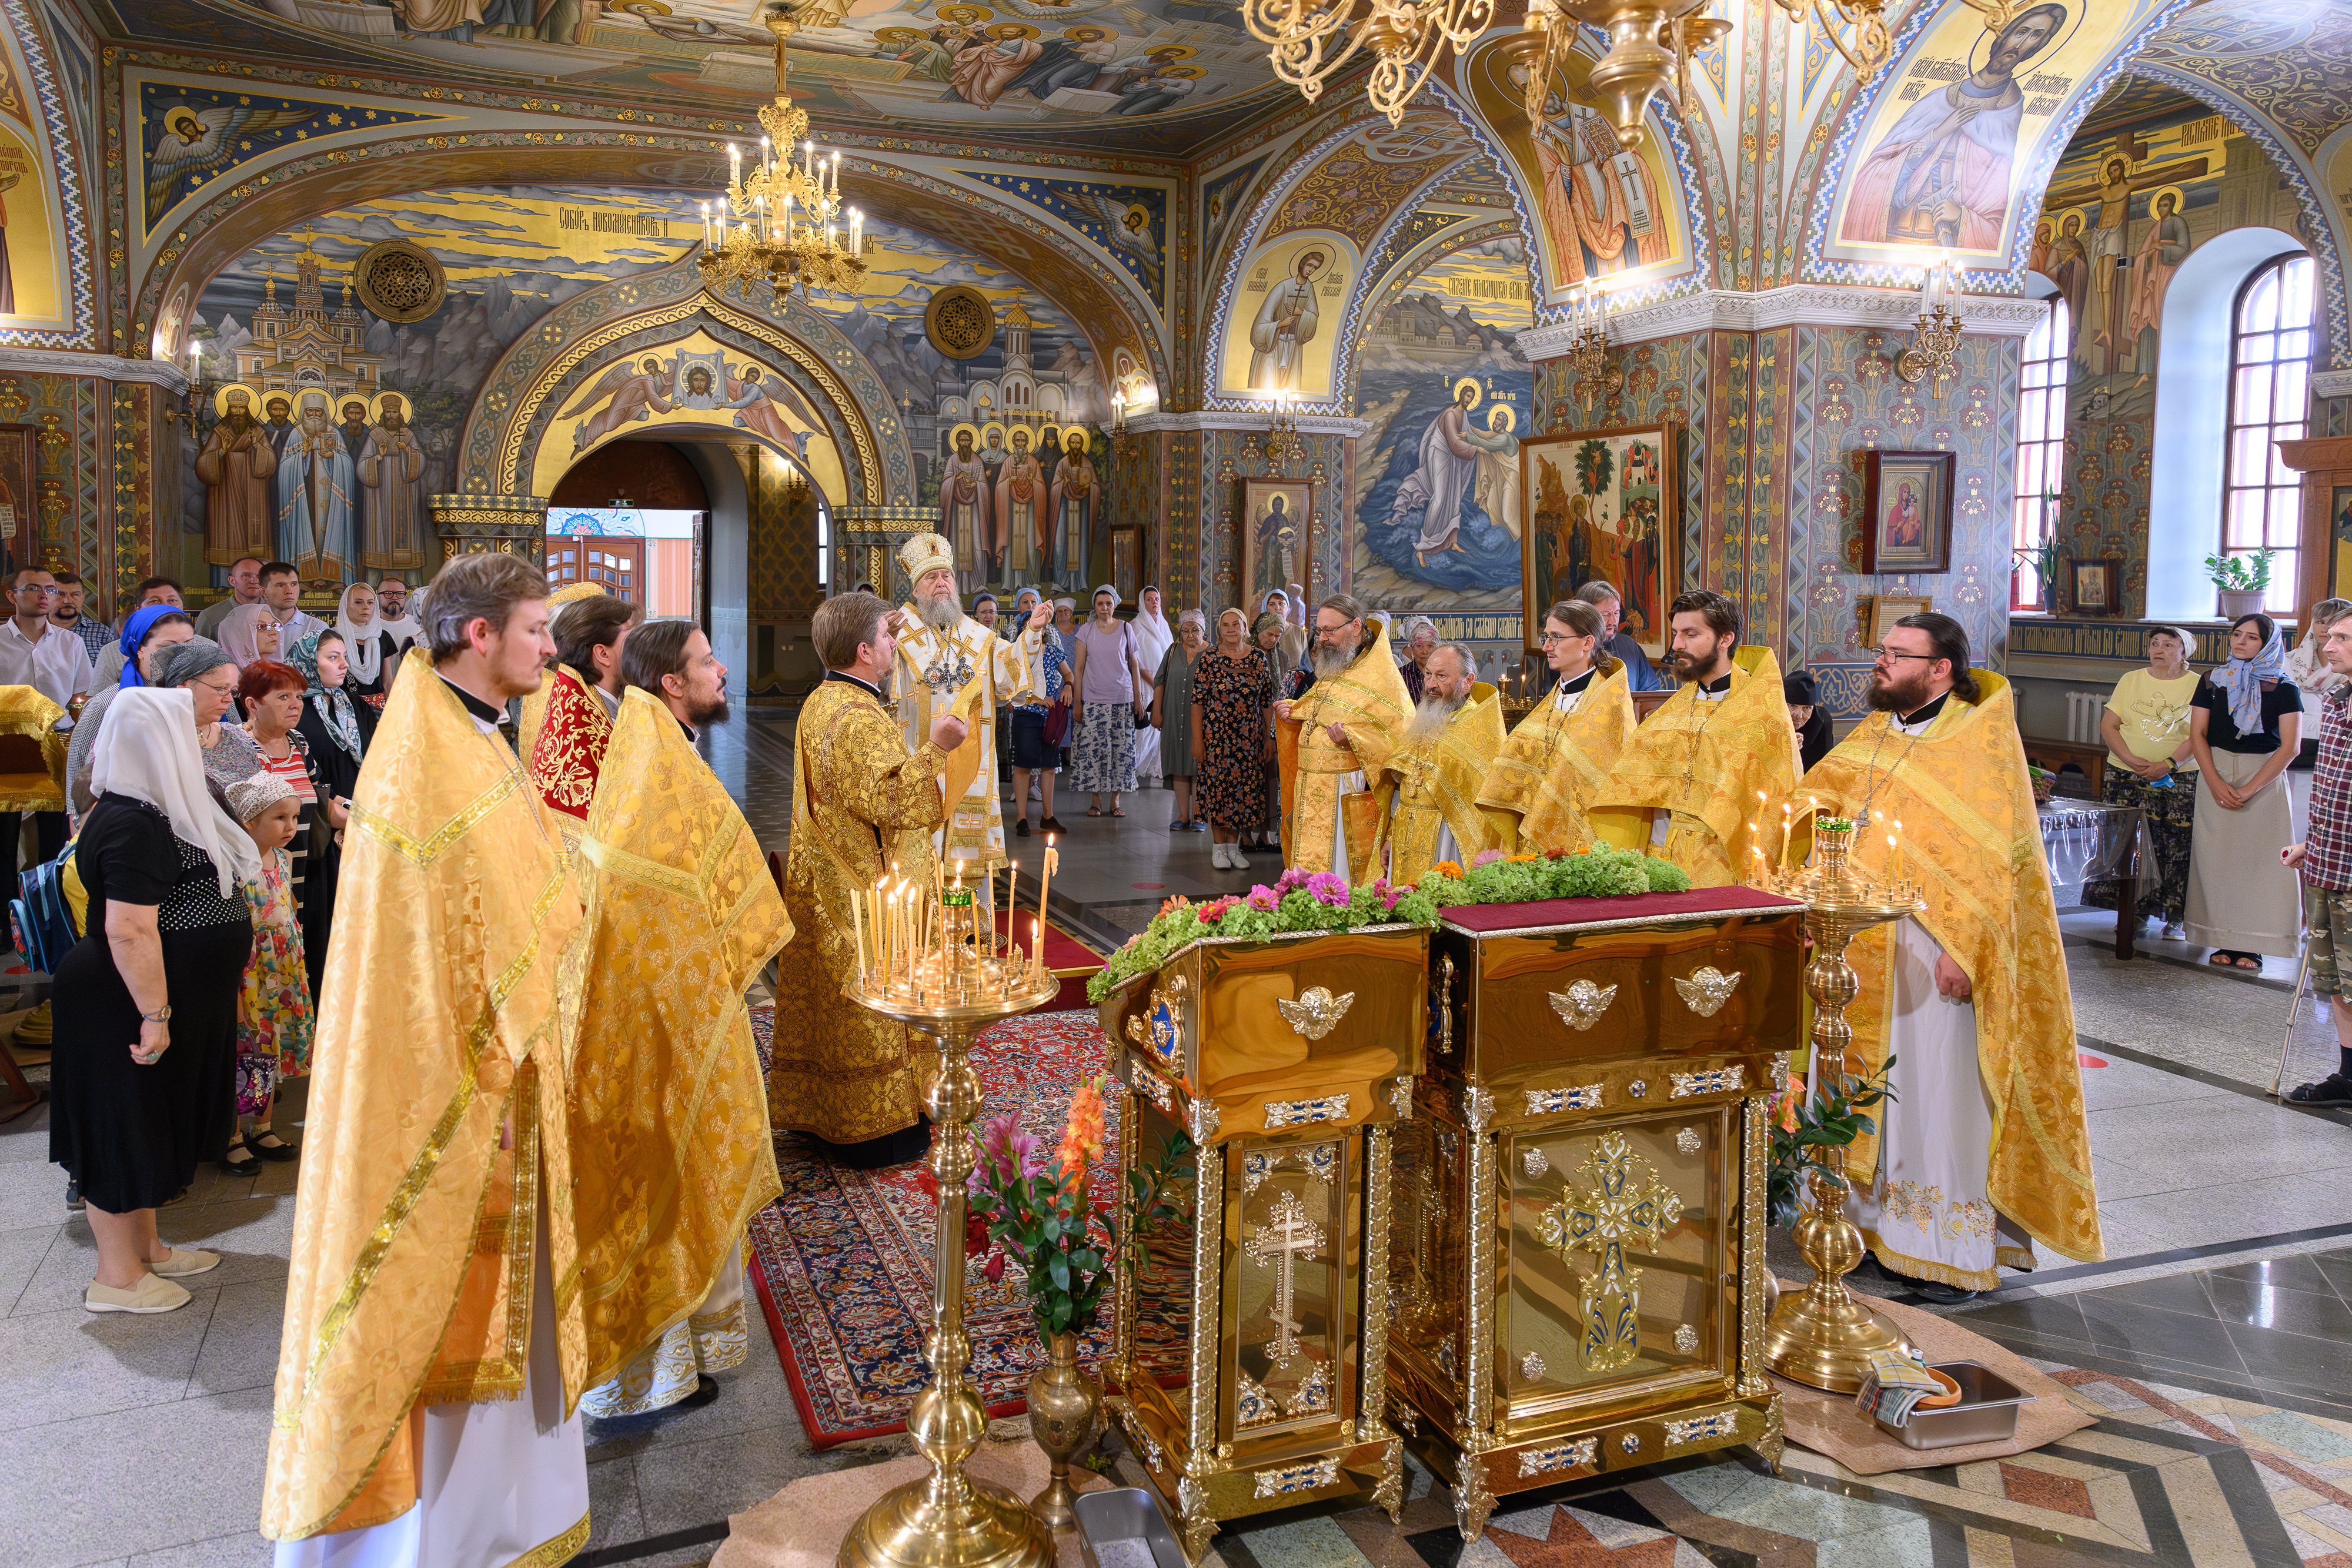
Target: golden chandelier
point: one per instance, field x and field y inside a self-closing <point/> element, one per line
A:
<point x="778" y="223"/>
<point x="1651" y="43"/>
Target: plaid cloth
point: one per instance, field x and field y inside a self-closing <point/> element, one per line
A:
<point x="2328" y="859"/>
<point x="95" y="635"/>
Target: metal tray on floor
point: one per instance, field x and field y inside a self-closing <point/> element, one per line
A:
<point x="1986" y="1412"/>
<point x="1123" y="1529"/>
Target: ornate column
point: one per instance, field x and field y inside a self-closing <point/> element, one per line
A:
<point x="865" y="541"/>
<point x="491" y="525"/>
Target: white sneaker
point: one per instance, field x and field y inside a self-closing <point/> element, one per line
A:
<point x="154" y="1293"/>
<point x="1217" y="856"/>
<point x="1236" y="860"/>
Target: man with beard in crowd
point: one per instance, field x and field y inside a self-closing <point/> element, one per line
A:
<point x="1335" y="735"/>
<point x="1700" y="783"/>
<point x="1982" y="1143"/>
<point x="940" y="650"/>
<point x="1432" y="778"/>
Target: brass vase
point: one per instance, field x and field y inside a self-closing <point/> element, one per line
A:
<point x="1064" y="1402"/>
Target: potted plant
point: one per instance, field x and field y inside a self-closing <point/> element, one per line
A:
<point x="2041" y="560"/>
<point x="1815" y="1135"/>
<point x="1035" y="1211"/>
<point x="2244" y="579"/>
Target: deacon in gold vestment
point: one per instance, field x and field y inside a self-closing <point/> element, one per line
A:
<point x="1985" y="1142"/>
<point x="670" y="1115"/>
<point x="533" y="712"/>
<point x="940" y="652"/>
<point x="1696" y="783"/>
<point x="861" y="802"/>
<point x="434" y="1349"/>
<point x="1335" y="739"/>
<point x="1428" y="793"/>
<point x="1538" y="789"/>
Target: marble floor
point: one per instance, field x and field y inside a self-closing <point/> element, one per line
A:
<point x="2217" y="1330"/>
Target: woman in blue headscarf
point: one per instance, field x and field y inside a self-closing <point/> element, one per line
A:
<point x="149" y="630"/>
<point x="2245" y="723"/>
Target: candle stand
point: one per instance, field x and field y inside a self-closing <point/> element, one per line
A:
<point x="1823" y="1337"/>
<point x="949" y="980"/>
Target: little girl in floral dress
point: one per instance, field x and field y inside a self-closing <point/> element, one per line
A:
<point x="273" y="1011"/>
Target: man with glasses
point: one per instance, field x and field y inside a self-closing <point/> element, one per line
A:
<point x="1547" y="769"/>
<point x="1701" y="784"/>
<point x="1983" y="1150"/>
<point x="37" y="652"/>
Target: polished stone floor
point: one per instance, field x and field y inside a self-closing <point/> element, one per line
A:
<point x="2215" y="1342"/>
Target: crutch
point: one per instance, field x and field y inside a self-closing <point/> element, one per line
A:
<point x="2286" y="1043"/>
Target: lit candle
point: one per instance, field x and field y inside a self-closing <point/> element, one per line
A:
<point x="734" y="167"/>
<point x="1045" y="890"/>
<point x="1788" y="832"/>
<point x="196" y="360"/>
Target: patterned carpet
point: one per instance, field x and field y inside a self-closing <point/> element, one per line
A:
<point x="845" y="1257"/>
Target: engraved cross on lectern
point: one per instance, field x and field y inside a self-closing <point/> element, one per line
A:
<point x="1622" y="1203"/>
<point x="1286" y="1239"/>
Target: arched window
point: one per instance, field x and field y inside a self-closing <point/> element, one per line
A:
<point x="2270" y="368"/>
<point x="2041" y="446"/>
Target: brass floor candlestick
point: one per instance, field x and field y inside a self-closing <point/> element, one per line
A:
<point x="1823" y="1337"/>
<point x="948" y="1519"/>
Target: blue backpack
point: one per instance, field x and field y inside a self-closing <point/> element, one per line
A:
<point x="48" y="915"/>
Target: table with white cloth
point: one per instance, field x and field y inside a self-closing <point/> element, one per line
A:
<point x="2088" y="841"/>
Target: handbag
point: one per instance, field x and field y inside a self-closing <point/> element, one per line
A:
<point x="1057" y="724"/>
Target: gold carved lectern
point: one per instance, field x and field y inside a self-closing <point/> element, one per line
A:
<point x="1251" y="1364"/>
<point x="1576" y="1254"/>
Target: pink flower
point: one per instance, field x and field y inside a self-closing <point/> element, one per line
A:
<point x="1484" y="857"/>
<point x="1262" y="897"/>
<point x="1291" y="880"/>
<point x="1214" y="910"/>
<point x="1327" y="888"/>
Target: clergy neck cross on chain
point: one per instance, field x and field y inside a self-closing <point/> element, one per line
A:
<point x="1624" y="1205"/>
<point x="1286" y="1239"/>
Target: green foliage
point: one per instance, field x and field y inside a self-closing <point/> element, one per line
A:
<point x="1069" y="1254"/>
<point x="1802" y="1134"/>
<point x="2240" y="573"/>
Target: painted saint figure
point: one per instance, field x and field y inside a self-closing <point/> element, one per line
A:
<point x="315" y="487"/>
<point x="1071" y="505"/>
<point x="2161" y="251"/>
<point x="390" y="466"/>
<point x="1599" y="202"/>
<point x="1021" y="512"/>
<point x="236" y="466"/>
<point x="1286" y="323"/>
<point x="964" y="509"/>
<point x="1940" y="175"/>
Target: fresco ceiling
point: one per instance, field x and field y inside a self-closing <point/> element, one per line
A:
<point x="1150" y="77"/>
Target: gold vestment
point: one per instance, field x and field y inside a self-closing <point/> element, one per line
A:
<point x="414" y="1229"/>
<point x="669" y="1121"/>
<point x="1426" y="785"/>
<point x="1550" y="766"/>
<point x="1707" y="762"/>
<point x="1972" y="839"/>
<point x="860" y="800"/>
<point x="32" y="752"/>
<point x="932" y="671"/>
<point x="1369" y="702"/>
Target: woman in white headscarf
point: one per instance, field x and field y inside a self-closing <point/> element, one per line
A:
<point x="366" y="650"/>
<point x="143" y="1075"/>
<point x="1153" y="637"/>
<point x="248" y="632"/>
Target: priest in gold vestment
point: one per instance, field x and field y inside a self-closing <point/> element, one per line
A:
<point x="434" y="1350"/>
<point x="581" y="698"/>
<point x="669" y="1115"/>
<point x="1550" y="764"/>
<point x="862" y="801"/>
<point x="1983" y="1151"/>
<point x="942" y="650"/>
<point x="1428" y="791"/>
<point x="1702" y="782"/>
<point x="1334" y="738"/>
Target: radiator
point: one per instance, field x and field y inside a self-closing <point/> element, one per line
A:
<point x="2082" y="712"/>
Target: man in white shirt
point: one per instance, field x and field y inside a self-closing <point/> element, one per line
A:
<point x="243" y="588"/>
<point x="281" y="585"/>
<point x="36" y="651"/>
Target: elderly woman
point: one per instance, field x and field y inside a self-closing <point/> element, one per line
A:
<point x="150" y="630"/>
<point x="145" y="1072"/>
<point x="210" y="676"/>
<point x="1172" y="715"/>
<point x="1153" y="638"/>
<point x="247" y="633"/>
<point x="2152" y="764"/>
<point x="2244" y="721"/>
<point x="1420" y="642"/>
<point x="1233" y="738"/>
<point x="1111" y="700"/>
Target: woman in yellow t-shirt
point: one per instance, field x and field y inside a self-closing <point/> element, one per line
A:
<point x="2150" y="764"/>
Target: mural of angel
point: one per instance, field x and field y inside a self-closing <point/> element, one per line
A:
<point x="760" y="408"/>
<point x="1125" y="229"/>
<point x="635" y="390"/>
<point x="197" y="143"/>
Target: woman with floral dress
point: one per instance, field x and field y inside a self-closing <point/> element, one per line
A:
<point x="273" y="1009"/>
<point x="1233" y="692"/>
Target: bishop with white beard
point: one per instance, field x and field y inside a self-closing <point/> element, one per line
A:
<point x="1429" y="786"/>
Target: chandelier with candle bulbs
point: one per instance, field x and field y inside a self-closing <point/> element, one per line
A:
<point x="778" y="221"/>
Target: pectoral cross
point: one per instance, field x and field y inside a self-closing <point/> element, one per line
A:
<point x="1286" y="1239"/>
<point x="1622" y="1203"/>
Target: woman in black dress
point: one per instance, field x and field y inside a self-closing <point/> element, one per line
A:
<point x="143" y="1074"/>
<point x="338" y="730"/>
<point x="1233" y="692"/>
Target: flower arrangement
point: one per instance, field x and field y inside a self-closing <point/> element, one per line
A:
<point x="1035" y="1211"/>
<point x="1807" y="1135"/>
<point x="1322" y="901"/>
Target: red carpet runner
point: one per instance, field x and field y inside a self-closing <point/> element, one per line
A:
<point x="843" y="1257"/>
